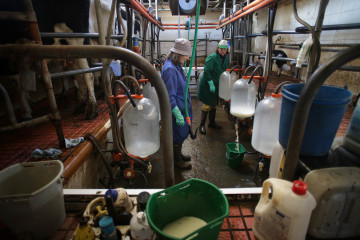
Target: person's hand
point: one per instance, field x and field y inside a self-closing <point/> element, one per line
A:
<point x="211" y="86"/>
<point x="178" y="116"/>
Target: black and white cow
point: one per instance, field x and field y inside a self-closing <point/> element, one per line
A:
<point x="59" y="16"/>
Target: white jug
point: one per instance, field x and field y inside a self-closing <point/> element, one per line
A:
<point x="226" y="82"/>
<point x="286" y="214"/>
<point x="139" y="227"/>
<point x="141" y="128"/>
<point x="243" y="98"/>
<point x="150" y="93"/>
<point x="266" y="124"/>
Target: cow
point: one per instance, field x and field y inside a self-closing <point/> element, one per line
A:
<point x="281" y="64"/>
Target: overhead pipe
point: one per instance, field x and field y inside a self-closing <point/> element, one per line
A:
<point x="259" y="6"/>
<point x="242" y="10"/>
<point x="141" y="9"/>
<point x="52" y="51"/>
<point x="303" y="105"/>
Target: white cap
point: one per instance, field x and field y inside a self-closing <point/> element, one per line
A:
<point x="182" y="46"/>
<point x="223" y="44"/>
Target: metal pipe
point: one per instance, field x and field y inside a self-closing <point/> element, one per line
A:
<point x="116" y="53"/>
<point x="315" y="51"/>
<point x="35" y="35"/>
<point x="143" y="11"/>
<point x="74" y="72"/>
<point x="9" y="106"/>
<point x="35" y="121"/>
<point x="76" y="35"/>
<point x="253" y="4"/>
<point x="331" y="27"/>
<point x="304" y="102"/>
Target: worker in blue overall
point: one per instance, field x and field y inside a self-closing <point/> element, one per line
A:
<point x="175" y="81"/>
<point x="208" y="91"/>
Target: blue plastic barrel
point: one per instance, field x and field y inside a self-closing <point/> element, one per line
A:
<point x="325" y="116"/>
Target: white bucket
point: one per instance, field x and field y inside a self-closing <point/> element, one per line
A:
<point x="31" y="198"/>
<point x="286" y="214"/>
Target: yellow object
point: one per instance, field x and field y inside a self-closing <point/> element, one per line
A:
<point x="84" y="232"/>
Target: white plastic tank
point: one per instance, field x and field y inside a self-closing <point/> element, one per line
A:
<point x="352" y="136"/>
<point x="227" y="80"/>
<point x="141" y="127"/>
<point x="266" y="124"/>
<point x="286" y="214"/>
<point x="243" y="98"/>
<point x="150" y="93"/>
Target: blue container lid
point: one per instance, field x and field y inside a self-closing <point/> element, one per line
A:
<point x="112" y="193"/>
<point x="327" y="95"/>
<point x="107" y="225"/>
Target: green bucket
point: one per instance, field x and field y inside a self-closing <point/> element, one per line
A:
<point x="194" y="197"/>
<point x="234" y="154"/>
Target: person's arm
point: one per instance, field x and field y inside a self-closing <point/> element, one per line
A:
<point x="208" y="72"/>
<point x="169" y="76"/>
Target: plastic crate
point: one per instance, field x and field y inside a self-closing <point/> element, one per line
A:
<point x="234" y="154"/>
<point x="194" y="197"/>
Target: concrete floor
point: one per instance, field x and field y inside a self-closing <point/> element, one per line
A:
<point x="208" y="153"/>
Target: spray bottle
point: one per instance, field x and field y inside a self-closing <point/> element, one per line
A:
<point x="304" y="52"/>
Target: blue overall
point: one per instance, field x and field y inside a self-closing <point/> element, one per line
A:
<point x="175" y="82"/>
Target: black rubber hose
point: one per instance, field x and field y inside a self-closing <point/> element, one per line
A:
<point x="96" y="145"/>
<point x="126" y="92"/>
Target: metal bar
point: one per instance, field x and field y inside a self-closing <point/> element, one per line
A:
<point x="74" y="72"/>
<point x="331" y="27"/>
<point x="35" y="121"/>
<point x="303" y="105"/>
<point x="75" y="35"/>
<point x="113" y="53"/>
<point x="35" y="35"/>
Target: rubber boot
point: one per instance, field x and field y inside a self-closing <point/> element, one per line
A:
<point x="203" y="121"/>
<point x="178" y="161"/>
<point x="185" y="158"/>
<point x="212" y="123"/>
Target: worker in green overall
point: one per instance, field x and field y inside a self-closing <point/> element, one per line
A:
<point x="208" y="90"/>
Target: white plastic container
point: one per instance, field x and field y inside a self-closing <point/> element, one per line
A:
<point x="266" y="124"/>
<point x="140" y="228"/>
<point x="337" y="191"/>
<point x="150" y="93"/>
<point x="243" y="98"/>
<point x="141" y="128"/>
<point x="352" y="136"/>
<point x="31" y="198"/>
<point x="277" y="161"/>
<point x="226" y="82"/>
<point x="286" y="214"/>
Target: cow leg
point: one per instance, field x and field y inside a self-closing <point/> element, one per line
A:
<point x="25" y="107"/>
<point x="91" y="109"/>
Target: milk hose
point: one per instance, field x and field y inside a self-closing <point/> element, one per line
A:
<point x="192" y="135"/>
<point x="259" y="88"/>
<point x="126" y="92"/>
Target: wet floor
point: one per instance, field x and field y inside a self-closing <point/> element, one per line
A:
<point x="208" y="154"/>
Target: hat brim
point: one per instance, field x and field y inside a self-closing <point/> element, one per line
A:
<point x="224" y="46"/>
<point x="181" y="52"/>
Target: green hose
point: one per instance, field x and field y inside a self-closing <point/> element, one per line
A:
<point x="192" y="59"/>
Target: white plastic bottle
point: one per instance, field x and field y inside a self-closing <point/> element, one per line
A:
<point x="243" y="98"/>
<point x="141" y="127"/>
<point x="140" y="228"/>
<point x="226" y="82"/>
<point x="266" y="124"/>
<point x="286" y="214"/>
<point x="304" y="52"/>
